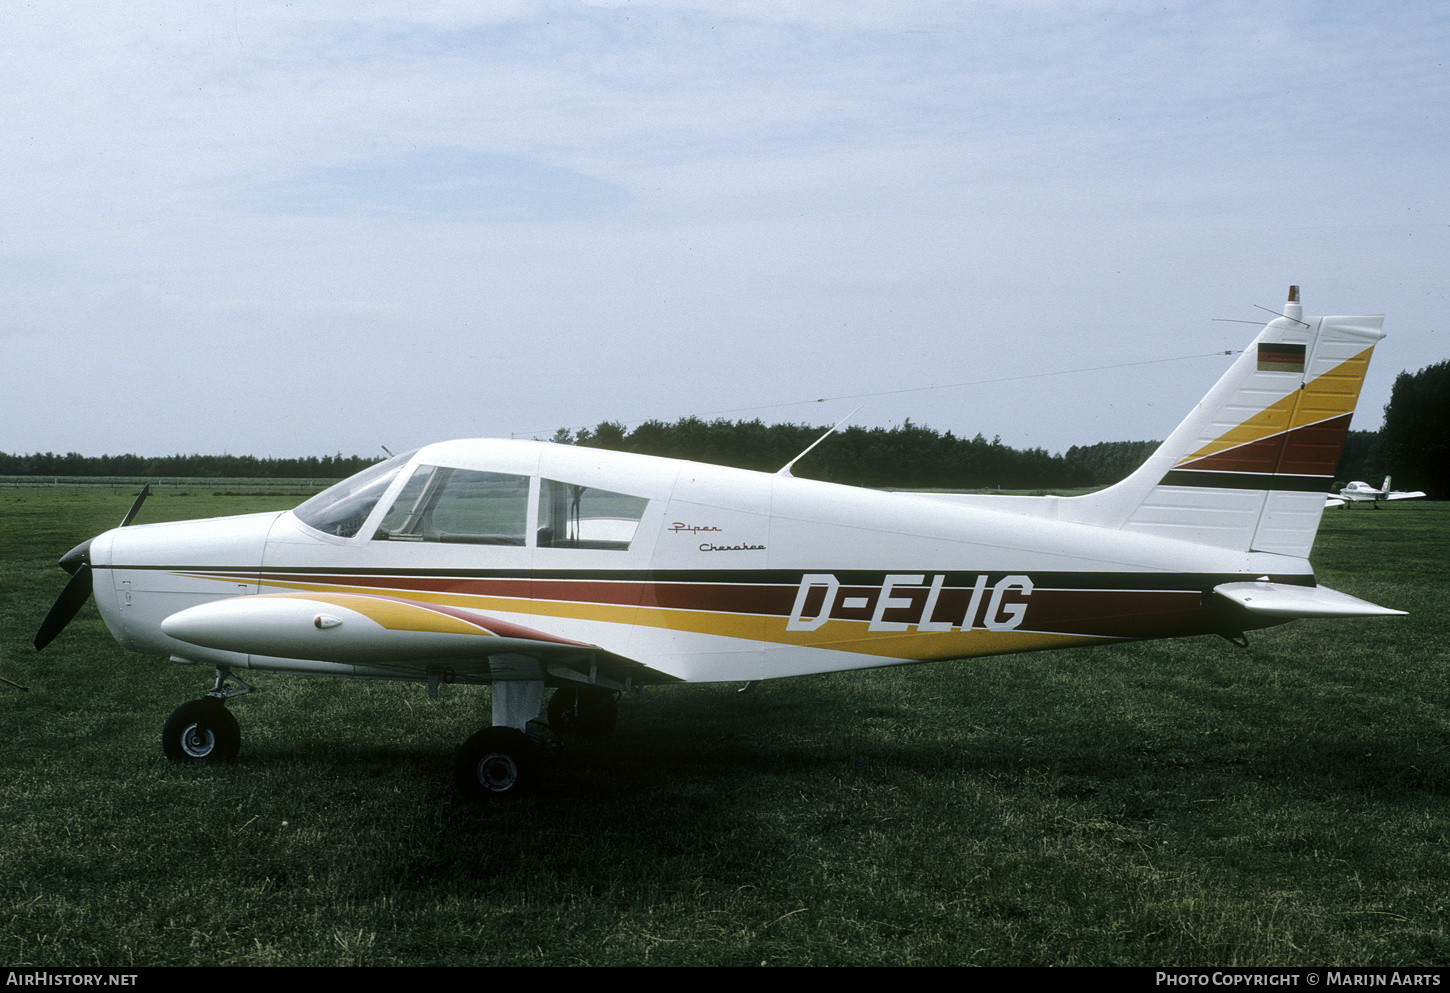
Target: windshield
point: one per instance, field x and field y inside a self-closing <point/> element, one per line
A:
<point x="341" y="508"/>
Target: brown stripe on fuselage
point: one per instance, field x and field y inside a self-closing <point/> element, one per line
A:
<point x="758" y="611"/>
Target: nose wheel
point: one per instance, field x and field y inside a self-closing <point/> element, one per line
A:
<point x="204" y="730"/>
<point x="201" y="731"/>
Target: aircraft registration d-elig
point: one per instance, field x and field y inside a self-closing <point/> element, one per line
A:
<point x="529" y="565"/>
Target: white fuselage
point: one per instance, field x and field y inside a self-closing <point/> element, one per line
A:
<point x="730" y="574"/>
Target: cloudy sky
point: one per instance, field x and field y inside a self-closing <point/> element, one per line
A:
<point x="273" y="229"/>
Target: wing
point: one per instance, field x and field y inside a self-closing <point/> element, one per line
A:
<point x="399" y="635"/>
<point x="1401" y="495"/>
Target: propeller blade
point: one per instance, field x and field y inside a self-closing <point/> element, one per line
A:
<point x="70" y="601"/>
<point x="78" y="590"/>
<point x="136" y="507"/>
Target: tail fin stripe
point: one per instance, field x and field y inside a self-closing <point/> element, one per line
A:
<point x="1246" y="481"/>
<point x="1328" y="395"/>
<point x="1314" y="449"/>
<point x="1309" y="450"/>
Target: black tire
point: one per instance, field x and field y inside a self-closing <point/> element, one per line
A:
<point x="497" y="762"/>
<point x="589" y="711"/>
<point x="201" y="731"/>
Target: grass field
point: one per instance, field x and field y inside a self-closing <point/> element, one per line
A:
<point x="1165" y="803"/>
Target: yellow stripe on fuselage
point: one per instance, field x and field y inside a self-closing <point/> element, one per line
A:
<point x="391" y="614"/>
<point x="835" y="635"/>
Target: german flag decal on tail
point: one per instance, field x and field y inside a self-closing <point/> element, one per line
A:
<point x="1275" y="357"/>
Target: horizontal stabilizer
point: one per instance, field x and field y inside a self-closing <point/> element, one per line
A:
<point x="1287" y="600"/>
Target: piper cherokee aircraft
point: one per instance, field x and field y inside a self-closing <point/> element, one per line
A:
<point x="529" y="565"/>
<point x="1358" y="492"/>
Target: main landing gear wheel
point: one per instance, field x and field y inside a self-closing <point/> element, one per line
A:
<point x="201" y="731"/>
<point x="591" y="712"/>
<point x="497" y="762"/>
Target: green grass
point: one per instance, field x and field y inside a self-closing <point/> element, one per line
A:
<point x="1166" y="803"/>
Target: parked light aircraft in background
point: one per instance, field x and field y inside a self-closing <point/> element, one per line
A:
<point x="529" y="565"/>
<point x="1358" y="492"/>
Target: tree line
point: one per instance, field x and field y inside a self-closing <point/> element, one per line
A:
<point x="197" y="466"/>
<point x="908" y="456"/>
<point x="1413" y="447"/>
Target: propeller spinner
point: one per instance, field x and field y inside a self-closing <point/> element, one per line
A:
<point x="77" y="562"/>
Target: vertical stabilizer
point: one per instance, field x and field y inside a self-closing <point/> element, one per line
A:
<point x="1249" y="467"/>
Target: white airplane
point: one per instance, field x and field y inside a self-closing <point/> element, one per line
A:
<point x="1358" y="492"/>
<point x="529" y="565"/>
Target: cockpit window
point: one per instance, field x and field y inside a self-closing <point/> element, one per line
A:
<point x="574" y="516"/>
<point x="443" y="504"/>
<point x="342" y="508"/>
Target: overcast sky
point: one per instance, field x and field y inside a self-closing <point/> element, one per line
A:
<point x="284" y="230"/>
